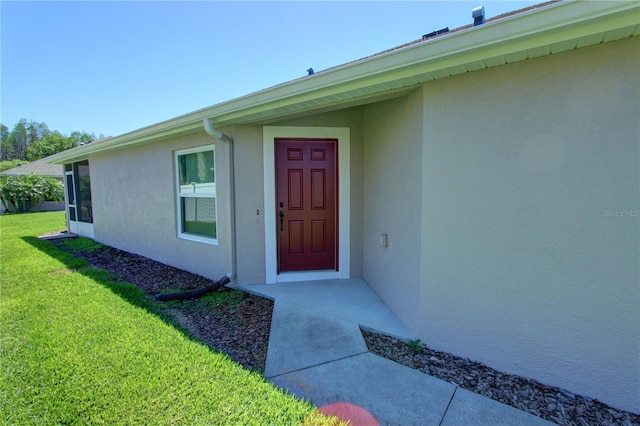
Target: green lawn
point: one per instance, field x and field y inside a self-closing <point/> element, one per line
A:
<point x="75" y="350"/>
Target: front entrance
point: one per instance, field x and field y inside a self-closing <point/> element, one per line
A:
<point x="306" y="204"/>
<point x="78" y="199"/>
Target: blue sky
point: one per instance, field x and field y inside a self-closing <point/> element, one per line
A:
<point x="113" y="67"/>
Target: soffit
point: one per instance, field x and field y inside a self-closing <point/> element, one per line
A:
<point x="431" y="62"/>
<point x="552" y="29"/>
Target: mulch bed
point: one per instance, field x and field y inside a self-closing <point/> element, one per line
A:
<point x="241" y="329"/>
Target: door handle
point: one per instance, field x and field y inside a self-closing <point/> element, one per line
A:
<point x="281" y="214"/>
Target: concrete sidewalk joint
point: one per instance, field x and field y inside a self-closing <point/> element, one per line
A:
<point x="317" y="352"/>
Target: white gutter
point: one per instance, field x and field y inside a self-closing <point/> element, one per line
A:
<point x="208" y="127"/>
<point x="214" y="133"/>
<point x="547" y="29"/>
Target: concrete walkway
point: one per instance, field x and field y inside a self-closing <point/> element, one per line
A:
<point x="317" y="352"/>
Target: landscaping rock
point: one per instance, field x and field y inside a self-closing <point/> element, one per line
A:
<point x="550" y="403"/>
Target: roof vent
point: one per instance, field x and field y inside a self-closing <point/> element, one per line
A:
<point x="435" y="33"/>
<point x="478" y="15"/>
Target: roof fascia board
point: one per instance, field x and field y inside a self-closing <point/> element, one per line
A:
<point x="139" y="137"/>
<point x="557" y="22"/>
<point x="526" y="41"/>
<point x="553" y="23"/>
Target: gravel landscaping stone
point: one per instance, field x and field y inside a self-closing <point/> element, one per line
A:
<point x="241" y="328"/>
<point x="550" y="403"/>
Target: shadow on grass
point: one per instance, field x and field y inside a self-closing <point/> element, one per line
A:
<point x="127" y="291"/>
<point x="138" y="298"/>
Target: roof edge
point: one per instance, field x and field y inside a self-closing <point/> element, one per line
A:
<point x="557" y="21"/>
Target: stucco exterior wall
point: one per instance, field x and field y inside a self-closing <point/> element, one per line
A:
<point x="249" y="205"/>
<point x="392" y="152"/>
<point x="530" y="228"/>
<point x="134" y="205"/>
<point x="144" y="221"/>
<point x="510" y="198"/>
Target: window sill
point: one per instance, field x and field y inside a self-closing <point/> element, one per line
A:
<point x="198" y="239"/>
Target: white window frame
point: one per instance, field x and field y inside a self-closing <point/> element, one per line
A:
<point x="179" y="196"/>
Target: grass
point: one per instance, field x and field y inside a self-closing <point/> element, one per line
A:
<point x="416" y="345"/>
<point x="78" y="348"/>
<point x="85" y="245"/>
<point x="212" y="301"/>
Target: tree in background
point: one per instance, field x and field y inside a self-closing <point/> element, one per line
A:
<point x="31" y="140"/>
<point x="23" y="133"/>
<point x="6" y="150"/>
<point x="49" y="145"/>
<point x="82" y="137"/>
<point x="15" y="144"/>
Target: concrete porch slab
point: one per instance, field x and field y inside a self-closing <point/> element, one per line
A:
<point x="301" y="338"/>
<point x="57" y="235"/>
<point x="317" y="352"/>
<point x="352" y="300"/>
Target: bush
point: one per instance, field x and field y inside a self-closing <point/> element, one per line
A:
<point x="28" y="192"/>
<point x="10" y="164"/>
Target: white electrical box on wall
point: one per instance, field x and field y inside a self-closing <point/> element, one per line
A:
<point x="384" y="240"/>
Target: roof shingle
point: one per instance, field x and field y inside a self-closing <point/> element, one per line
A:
<point x="38" y="167"/>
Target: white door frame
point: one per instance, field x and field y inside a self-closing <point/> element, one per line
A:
<point x="342" y="134"/>
<point x="77" y="227"/>
<point x="72" y="225"/>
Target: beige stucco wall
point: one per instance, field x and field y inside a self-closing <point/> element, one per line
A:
<point x="147" y="175"/>
<point x="144" y="221"/>
<point x="133" y="196"/>
<point x="524" y="263"/>
<point x="250" y="268"/>
<point x="392" y="152"/>
<point x="499" y="192"/>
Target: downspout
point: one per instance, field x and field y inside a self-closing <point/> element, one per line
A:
<point x="211" y="131"/>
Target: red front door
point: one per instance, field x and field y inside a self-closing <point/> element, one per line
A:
<point x="306" y="204"/>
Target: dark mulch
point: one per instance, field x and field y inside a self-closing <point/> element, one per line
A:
<point x="238" y="324"/>
<point x="239" y="328"/>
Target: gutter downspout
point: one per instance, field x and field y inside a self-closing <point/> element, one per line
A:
<point x="211" y="131"/>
